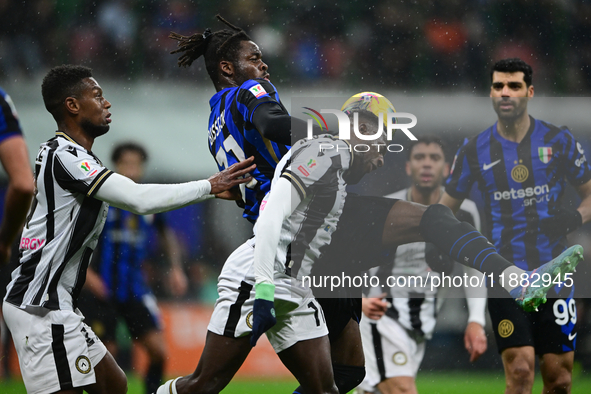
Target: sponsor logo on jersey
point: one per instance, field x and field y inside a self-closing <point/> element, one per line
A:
<point x="303" y="170"/>
<point x="545" y="154"/>
<point x="505" y="328"/>
<point x="257" y="90"/>
<point x="521" y="193"/>
<point x="83" y="364"/>
<point x="583" y="159"/>
<point x="399" y="358"/>
<point x="31" y="243"/>
<point x="486" y="166"/>
<point x="519" y="173"/>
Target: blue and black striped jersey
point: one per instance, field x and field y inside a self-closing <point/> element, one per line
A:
<point x="122" y="249"/>
<point x="233" y="137"/>
<point x="521" y="184"/>
<point x="9" y="124"/>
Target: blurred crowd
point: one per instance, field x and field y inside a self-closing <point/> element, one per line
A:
<point x="408" y="45"/>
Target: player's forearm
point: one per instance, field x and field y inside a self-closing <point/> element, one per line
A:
<point x="268" y="229"/>
<point x="16" y="205"/>
<point x="144" y="199"/>
<point x="475" y="299"/>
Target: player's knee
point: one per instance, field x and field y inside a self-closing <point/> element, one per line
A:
<point x="558" y="383"/>
<point x="347" y="377"/>
<point x="520" y="375"/>
<point x="436" y="216"/>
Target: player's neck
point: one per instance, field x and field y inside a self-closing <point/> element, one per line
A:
<point x="514" y="130"/>
<point x="426" y="196"/>
<point x="78" y="135"/>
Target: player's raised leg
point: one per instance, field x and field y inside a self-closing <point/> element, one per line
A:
<point x="221" y="358"/>
<point x="309" y="361"/>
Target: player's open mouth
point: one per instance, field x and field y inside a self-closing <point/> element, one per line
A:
<point x="266" y="77"/>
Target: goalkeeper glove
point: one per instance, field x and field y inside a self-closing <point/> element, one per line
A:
<point x="263" y="311"/>
<point x="562" y="222"/>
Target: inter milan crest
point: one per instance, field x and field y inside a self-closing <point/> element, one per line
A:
<point x="519" y="173"/>
<point x="545" y="154"/>
<point x="506" y="328"/>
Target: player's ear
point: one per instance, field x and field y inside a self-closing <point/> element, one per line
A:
<point x="530" y="91"/>
<point x="72" y="105"/>
<point x="445" y="171"/>
<point x="226" y="68"/>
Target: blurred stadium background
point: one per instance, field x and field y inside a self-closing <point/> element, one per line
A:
<point x="429" y="57"/>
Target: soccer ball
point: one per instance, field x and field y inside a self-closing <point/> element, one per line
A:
<point x="372" y="102"/>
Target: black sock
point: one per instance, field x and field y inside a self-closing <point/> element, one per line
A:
<point x="461" y="241"/>
<point x="153" y="378"/>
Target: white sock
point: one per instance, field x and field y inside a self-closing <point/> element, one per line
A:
<point x="507" y="282"/>
<point x="169" y="387"/>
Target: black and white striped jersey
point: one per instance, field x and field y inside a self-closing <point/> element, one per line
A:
<point x="62" y="228"/>
<point x="414" y="306"/>
<point x="315" y="169"/>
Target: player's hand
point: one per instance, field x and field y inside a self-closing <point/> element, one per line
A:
<point x="263" y="311"/>
<point x="561" y="222"/>
<point x="374" y="308"/>
<point x="231" y="176"/>
<point x="231" y="194"/>
<point x="95" y="284"/>
<point x="437" y="260"/>
<point x="475" y="340"/>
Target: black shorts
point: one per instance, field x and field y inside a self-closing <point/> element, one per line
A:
<point x="141" y="316"/>
<point x="355" y="246"/>
<point x="552" y="329"/>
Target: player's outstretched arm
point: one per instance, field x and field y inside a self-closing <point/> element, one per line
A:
<point x="451" y="202"/>
<point x="144" y="199"/>
<point x="281" y="203"/>
<point x="475" y="340"/>
<point x="15" y="160"/>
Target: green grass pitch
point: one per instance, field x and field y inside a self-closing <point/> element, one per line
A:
<point x="454" y="382"/>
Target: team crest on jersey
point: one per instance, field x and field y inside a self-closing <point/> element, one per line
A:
<point x="399" y="358"/>
<point x="506" y="328"/>
<point x="257" y="90"/>
<point x="249" y="320"/>
<point x="545" y="154"/>
<point x="519" y="173"/>
<point x="87" y="169"/>
<point x="83" y="364"/>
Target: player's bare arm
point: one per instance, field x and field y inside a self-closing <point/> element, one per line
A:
<point x="585" y="207"/>
<point x="15" y="160"/>
<point x="451" y="202"/>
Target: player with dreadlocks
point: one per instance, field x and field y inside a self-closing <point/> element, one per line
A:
<point x="248" y="118"/>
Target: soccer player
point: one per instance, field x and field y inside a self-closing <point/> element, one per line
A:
<point x="15" y="160"/>
<point x="57" y="351"/>
<point x="521" y="165"/>
<point x="115" y="285"/>
<point x="394" y="336"/>
<point x="247" y="116"/>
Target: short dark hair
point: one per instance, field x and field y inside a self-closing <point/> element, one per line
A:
<point x="513" y="65"/>
<point x="427" y="140"/>
<point x="128" y="147"/>
<point x="214" y="47"/>
<point x="60" y="83"/>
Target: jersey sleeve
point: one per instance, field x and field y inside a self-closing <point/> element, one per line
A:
<point x="310" y="168"/>
<point x="253" y="93"/>
<point x="78" y="171"/>
<point x="460" y="181"/>
<point x="576" y="166"/>
<point x="9" y="124"/>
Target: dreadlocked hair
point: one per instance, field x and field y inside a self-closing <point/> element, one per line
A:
<point x="214" y="47"/>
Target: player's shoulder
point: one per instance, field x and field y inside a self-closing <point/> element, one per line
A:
<point x="551" y="131"/>
<point x="258" y="87"/>
<point x="400" y="194"/>
<point x="469" y="206"/>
